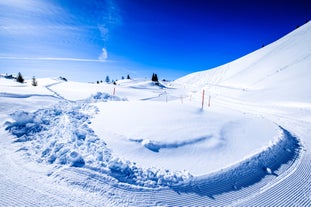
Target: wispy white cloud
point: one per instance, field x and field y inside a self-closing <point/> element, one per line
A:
<point x="53" y="59"/>
<point x="111" y="19"/>
<point x="43" y="7"/>
<point x="32" y="18"/>
<point x="103" y="55"/>
<point x="104" y="31"/>
<point x="47" y="28"/>
<point x="113" y="13"/>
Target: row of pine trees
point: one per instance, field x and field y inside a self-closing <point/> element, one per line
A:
<point x="154" y="78"/>
<point x="20" y="79"/>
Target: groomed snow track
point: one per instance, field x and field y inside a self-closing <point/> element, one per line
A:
<point x="233" y="187"/>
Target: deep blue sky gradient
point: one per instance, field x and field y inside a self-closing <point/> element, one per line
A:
<point x="87" y="40"/>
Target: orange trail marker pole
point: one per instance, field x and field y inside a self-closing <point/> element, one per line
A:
<point x="203" y="98"/>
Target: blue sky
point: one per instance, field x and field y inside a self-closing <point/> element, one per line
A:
<point x="87" y="40"/>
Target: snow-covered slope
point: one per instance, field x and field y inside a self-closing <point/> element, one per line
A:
<point x="279" y="71"/>
<point x="137" y="143"/>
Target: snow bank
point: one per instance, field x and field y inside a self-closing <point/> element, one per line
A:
<point x="61" y="135"/>
<point x="247" y="172"/>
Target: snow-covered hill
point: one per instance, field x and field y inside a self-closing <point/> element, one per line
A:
<point x="278" y="72"/>
<point x="138" y="143"/>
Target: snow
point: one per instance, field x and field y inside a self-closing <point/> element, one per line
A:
<point x="138" y="143"/>
<point x="143" y="132"/>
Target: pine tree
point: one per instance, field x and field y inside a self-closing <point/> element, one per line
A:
<point x="34" y="81"/>
<point x="20" y="78"/>
<point x="128" y="77"/>
<point x="154" y="77"/>
<point x="107" y="79"/>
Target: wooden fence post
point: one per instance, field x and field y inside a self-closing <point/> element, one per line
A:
<point x="203" y="93"/>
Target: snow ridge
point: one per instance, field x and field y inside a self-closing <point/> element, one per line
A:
<point x="155" y="146"/>
<point x="247" y="172"/>
<point x="61" y="135"/>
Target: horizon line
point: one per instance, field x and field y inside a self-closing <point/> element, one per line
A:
<point x="55" y="59"/>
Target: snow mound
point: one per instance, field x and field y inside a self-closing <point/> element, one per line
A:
<point x="61" y="135"/>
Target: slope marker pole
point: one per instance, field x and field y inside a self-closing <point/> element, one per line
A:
<point x="203" y="98"/>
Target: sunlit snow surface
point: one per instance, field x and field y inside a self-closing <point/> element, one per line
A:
<point x="143" y="144"/>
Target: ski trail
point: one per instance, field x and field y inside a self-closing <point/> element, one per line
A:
<point x="291" y="187"/>
<point x="15" y="95"/>
<point x="48" y="87"/>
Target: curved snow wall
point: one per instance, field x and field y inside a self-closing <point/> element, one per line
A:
<point x="246" y="173"/>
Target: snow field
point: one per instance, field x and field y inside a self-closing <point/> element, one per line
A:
<point x="61" y="135"/>
<point x="77" y="139"/>
<point x="180" y="137"/>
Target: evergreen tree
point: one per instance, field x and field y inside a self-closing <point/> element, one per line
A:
<point x="154" y="77"/>
<point x="34" y="81"/>
<point x="128" y="77"/>
<point x="107" y="79"/>
<point x="122" y="77"/>
<point x="20" y="78"/>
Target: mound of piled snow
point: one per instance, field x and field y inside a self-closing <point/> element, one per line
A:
<point x="61" y="135"/>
